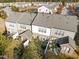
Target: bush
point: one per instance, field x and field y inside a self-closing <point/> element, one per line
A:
<point x="31" y="52"/>
<point x="3" y="15"/>
<point x="14" y="8"/>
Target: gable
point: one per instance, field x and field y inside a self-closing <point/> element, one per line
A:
<point x="43" y="7"/>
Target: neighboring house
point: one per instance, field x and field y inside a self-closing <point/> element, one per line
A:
<point x="6" y="4"/>
<point x="47" y="26"/>
<point x="22" y="4"/>
<point x="19" y="22"/>
<point x="8" y="11"/>
<point x="65" y="11"/>
<point x="46" y="9"/>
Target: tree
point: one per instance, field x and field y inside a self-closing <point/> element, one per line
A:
<point x="18" y="52"/>
<point x="31" y="52"/>
<point x="3" y="15"/>
<point x="63" y="2"/>
<point x="14" y="8"/>
<point x="4" y="43"/>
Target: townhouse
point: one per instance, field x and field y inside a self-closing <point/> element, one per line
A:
<point x="56" y="27"/>
<point x="43" y="26"/>
<point x="19" y="22"/>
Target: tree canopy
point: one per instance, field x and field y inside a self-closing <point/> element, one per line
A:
<point x="31" y="52"/>
<point x="4" y="43"/>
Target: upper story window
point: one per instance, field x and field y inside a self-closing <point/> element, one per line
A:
<point x="59" y="32"/>
<point x="11" y="25"/>
<point x="43" y="30"/>
<point x="23" y="27"/>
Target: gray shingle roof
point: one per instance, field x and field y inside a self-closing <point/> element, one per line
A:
<point x="56" y="21"/>
<point x="26" y="35"/>
<point x="50" y="7"/>
<point x="22" y="18"/>
<point x="13" y="17"/>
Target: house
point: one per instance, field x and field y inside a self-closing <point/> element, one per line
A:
<point x="46" y="9"/>
<point x="43" y="26"/>
<point x="19" y="22"/>
<point x="22" y="4"/>
<point x="47" y="26"/>
<point x="8" y="11"/>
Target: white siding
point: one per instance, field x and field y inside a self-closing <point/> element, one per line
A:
<point x="22" y="27"/>
<point x="62" y="33"/>
<point x="43" y="10"/>
<point x="13" y="27"/>
<point x="35" y="29"/>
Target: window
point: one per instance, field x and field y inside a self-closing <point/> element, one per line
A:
<point x="43" y="30"/>
<point x="11" y="25"/>
<point x="56" y="32"/>
<point x="59" y="32"/>
<point x="23" y="27"/>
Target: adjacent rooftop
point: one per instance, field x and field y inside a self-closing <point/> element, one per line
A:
<point x="56" y="21"/>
